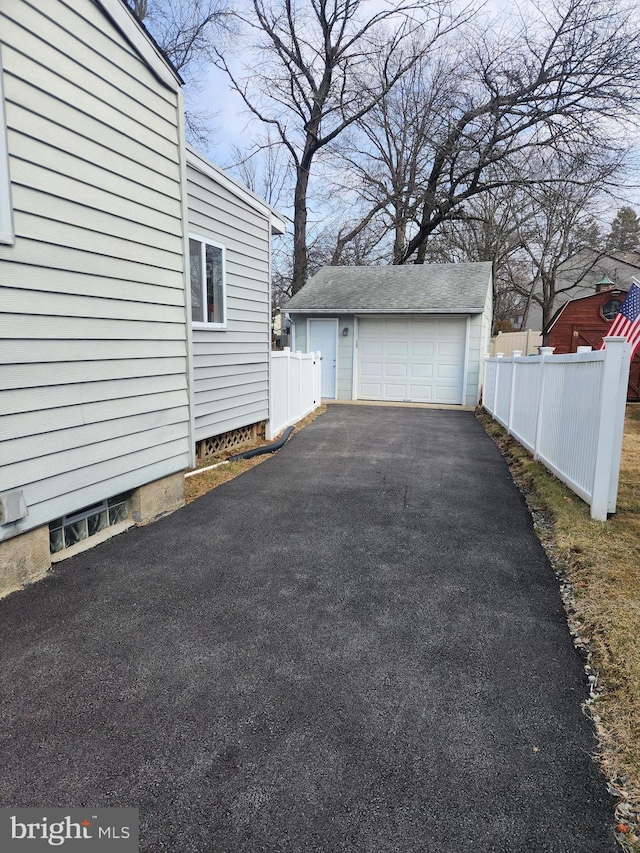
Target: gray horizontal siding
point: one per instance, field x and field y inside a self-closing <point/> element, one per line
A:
<point x="50" y="103"/>
<point x="41" y="351"/>
<point x="232" y="417"/>
<point x="16" y="301"/>
<point x="113" y="291"/>
<point x="91" y="231"/>
<point x="228" y="396"/>
<point x="85" y="328"/>
<point x="216" y="381"/>
<point x="71" y="372"/>
<point x="93" y="356"/>
<point x="51" y="470"/>
<point x="86" y="195"/>
<point x="95" y="162"/>
<point x="79" y="393"/>
<point x="251" y="357"/>
<point x="54" y="48"/>
<point x="43" y="421"/>
<point x="29" y="447"/>
<point x="38" y="253"/>
<point x="231" y="367"/>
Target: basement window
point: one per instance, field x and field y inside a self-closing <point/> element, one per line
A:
<point x="71" y="529"/>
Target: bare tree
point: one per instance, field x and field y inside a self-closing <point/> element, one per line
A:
<point x="381" y="164"/>
<point x="489" y="228"/>
<point x="562" y="223"/>
<point x="323" y="65"/>
<point x="530" y="231"/>
<point x="269" y="175"/>
<point x="498" y="100"/>
<point x="189" y="33"/>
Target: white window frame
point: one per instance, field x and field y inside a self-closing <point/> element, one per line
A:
<point x="7" y="233"/>
<point x="200" y="324"/>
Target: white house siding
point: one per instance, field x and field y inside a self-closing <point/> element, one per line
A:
<point x="475" y="351"/>
<point x="93" y="333"/>
<point x="231" y="365"/>
<point x="485" y="344"/>
<point x="478" y="347"/>
<point x="345" y="358"/>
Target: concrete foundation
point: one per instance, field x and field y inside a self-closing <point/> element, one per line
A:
<point x="24" y="559"/>
<point x="156" y="499"/>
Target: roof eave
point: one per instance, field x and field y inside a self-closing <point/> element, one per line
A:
<point x="302" y="310"/>
<point x="197" y="160"/>
<point x="143" y="42"/>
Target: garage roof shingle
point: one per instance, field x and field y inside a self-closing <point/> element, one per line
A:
<point x="415" y="289"/>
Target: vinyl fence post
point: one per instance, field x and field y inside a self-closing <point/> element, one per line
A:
<point x="303" y="363"/>
<point x="317" y="380"/>
<point x="516" y="354"/>
<point x="495" y="385"/>
<point x="545" y="352"/>
<point x="615" y="378"/>
<point x="485" y="374"/>
<point x="288" y="409"/>
<point x="272" y="371"/>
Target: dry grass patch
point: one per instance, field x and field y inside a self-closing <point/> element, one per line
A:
<point x="601" y="561"/>
<point x="200" y="484"/>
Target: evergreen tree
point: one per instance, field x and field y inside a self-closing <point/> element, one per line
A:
<point x="625" y="231"/>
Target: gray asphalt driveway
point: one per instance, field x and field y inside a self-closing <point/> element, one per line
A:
<point x="357" y="646"/>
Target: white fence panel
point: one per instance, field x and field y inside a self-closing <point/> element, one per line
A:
<point x="294" y="388"/>
<point x="503" y="395"/>
<point x="525" y="400"/>
<point x="568" y="410"/>
<point x="568" y="441"/>
<point x="489" y="388"/>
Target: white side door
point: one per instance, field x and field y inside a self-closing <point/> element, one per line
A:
<point x="323" y="338"/>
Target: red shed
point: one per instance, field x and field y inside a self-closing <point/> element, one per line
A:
<point x="585" y="322"/>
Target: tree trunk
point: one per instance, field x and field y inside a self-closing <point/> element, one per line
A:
<point x="300" y="266"/>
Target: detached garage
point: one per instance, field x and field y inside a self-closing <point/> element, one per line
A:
<point x="398" y="333"/>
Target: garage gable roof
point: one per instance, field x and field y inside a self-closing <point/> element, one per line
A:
<point x="406" y="289"/>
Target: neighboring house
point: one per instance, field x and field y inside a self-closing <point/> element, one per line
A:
<point x="229" y="258"/>
<point x="579" y="276"/>
<point x="280" y="337"/>
<point x="584" y="322"/>
<point x="94" y="371"/>
<point x="413" y="333"/>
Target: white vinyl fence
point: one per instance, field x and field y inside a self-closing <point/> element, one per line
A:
<point x="568" y="410"/>
<point x="294" y="388"/>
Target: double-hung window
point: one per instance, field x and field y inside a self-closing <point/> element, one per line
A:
<point x="207" y="274"/>
<point x="6" y="214"/>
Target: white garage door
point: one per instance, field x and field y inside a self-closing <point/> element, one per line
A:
<point x="417" y="359"/>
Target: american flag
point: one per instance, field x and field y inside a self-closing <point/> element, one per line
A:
<point x="627" y="321"/>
